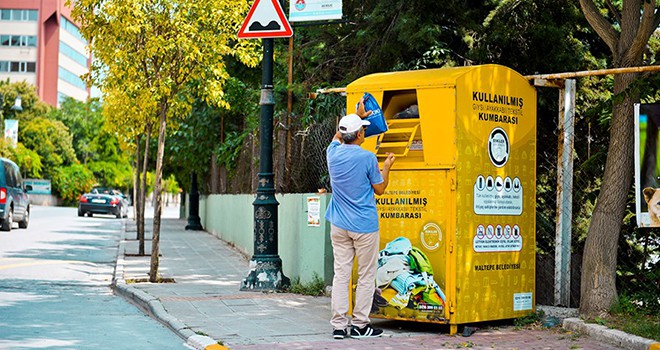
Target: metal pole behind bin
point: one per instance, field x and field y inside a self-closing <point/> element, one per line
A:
<point x="566" y="125"/>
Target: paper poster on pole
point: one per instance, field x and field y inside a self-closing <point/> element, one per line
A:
<point x="314" y="10"/>
<point x="11" y="131"/>
<point x="314" y="211"/>
<point x="647" y="165"/>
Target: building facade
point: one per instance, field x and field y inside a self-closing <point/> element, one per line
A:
<point x="40" y="44"/>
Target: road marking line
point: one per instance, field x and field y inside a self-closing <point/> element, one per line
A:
<point x="39" y="263"/>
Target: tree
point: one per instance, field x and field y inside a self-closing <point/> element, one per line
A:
<point x="70" y="181"/>
<point x="150" y="52"/>
<point x="134" y="122"/>
<point x="27" y="160"/>
<point x="84" y="120"/>
<point x="51" y="140"/>
<point x="30" y="102"/>
<point x="625" y="29"/>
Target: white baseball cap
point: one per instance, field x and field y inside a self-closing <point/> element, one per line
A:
<point x="351" y="123"/>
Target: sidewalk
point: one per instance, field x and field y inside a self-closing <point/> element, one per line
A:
<point x="205" y="307"/>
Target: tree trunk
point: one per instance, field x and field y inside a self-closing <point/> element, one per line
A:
<point x="214" y="174"/>
<point x="627" y="40"/>
<point x="136" y="181"/>
<point x="155" y="242"/>
<point x="143" y="189"/>
<point x="598" y="287"/>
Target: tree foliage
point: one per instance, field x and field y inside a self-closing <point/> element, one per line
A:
<point x="150" y="53"/>
<point x="30" y="102"/>
<point x="71" y="181"/>
<point x="51" y="140"/>
<point x="84" y="120"/>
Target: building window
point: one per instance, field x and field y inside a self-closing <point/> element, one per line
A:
<point x="18" y="67"/>
<point x="71" y="53"/>
<point x="72" y="29"/>
<point x="19" y="15"/>
<point x="71" y="78"/>
<point x="18" y="40"/>
<point x="61" y="97"/>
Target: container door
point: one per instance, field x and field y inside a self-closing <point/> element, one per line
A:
<point x="415" y="217"/>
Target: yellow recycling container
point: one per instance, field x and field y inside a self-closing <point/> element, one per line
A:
<point x="457" y="221"/>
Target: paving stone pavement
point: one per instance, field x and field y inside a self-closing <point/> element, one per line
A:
<point x="205" y="306"/>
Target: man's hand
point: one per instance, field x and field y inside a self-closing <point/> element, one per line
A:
<point x="360" y="110"/>
<point x="387" y="164"/>
<point x="337" y="137"/>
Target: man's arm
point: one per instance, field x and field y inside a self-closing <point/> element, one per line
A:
<point x="379" y="189"/>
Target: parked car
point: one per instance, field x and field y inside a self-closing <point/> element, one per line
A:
<point x="103" y="200"/>
<point x="14" y="200"/>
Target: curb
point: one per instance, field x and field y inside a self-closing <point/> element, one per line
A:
<point x="612" y="336"/>
<point x="154" y="307"/>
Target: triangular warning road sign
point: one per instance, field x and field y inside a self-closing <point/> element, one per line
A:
<point x="265" y="20"/>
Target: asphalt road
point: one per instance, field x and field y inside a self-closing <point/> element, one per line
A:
<point x="55" y="290"/>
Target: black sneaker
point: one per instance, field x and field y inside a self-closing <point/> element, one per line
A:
<point x="366" y="332"/>
<point x="339" y="333"/>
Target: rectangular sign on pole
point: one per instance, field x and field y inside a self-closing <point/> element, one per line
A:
<point x="11" y="131"/>
<point x="314" y="10"/>
<point x="647" y="167"/>
<point x="39" y="186"/>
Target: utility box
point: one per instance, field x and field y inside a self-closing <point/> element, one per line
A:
<point x="457" y="222"/>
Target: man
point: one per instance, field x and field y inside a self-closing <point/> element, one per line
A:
<point x="355" y="177"/>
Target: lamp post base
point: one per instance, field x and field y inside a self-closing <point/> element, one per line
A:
<point x="265" y="275"/>
<point x="194" y="224"/>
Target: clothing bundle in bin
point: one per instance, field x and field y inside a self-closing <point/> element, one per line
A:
<point x="405" y="279"/>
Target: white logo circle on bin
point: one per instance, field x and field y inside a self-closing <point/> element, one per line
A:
<point x="498" y="147"/>
<point x="431" y="236"/>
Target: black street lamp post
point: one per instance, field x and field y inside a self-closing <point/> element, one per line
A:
<point x="266" y="266"/>
<point x="194" y="222"/>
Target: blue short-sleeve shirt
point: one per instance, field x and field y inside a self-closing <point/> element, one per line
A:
<point x="353" y="171"/>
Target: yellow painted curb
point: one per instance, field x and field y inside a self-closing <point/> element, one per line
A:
<point x="654" y="346"/>
<point x="216" y="347"/>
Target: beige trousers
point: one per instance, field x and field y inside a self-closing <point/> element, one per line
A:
<point x="347" y="245"/>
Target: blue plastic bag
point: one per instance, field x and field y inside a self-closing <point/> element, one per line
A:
<point x="377" y="119"/>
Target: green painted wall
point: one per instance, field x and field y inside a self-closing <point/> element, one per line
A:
<point x="305" y="250"/>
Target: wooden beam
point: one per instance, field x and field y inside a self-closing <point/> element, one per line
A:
<point x="589" y="73"/>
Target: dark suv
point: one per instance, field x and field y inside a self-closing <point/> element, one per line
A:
<point x="14" y="201"/>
